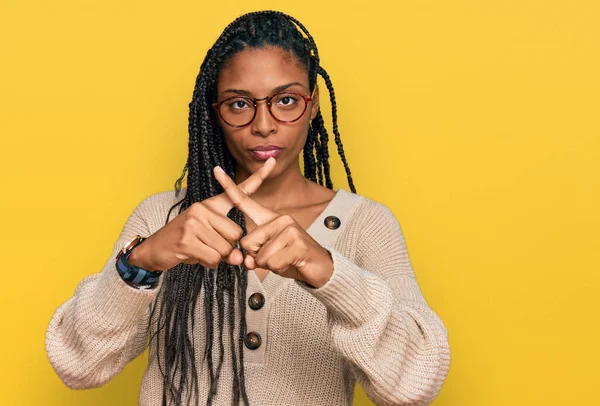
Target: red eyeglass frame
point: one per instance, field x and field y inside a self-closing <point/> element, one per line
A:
<point x="217" y="107"/>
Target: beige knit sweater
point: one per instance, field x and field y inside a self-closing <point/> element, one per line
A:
<point x="369" y="323"/>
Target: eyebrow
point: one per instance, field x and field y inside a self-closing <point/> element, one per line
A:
<point x="275" y="90"/>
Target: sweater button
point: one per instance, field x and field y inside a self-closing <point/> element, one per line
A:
<point x="256" y="301"/>
<point x="252" y="340"/>
<point x="332" y="222"/>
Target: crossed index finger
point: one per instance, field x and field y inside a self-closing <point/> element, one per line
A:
<point x="257" y="213"/>
<point x="223" y="204"/>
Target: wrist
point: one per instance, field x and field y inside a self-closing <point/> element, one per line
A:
<point x="137" y="257"/>
<point x="135" y="275"/>
<point x="324" y="275"/>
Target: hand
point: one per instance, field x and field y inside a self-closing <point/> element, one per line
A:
<point x="200" y="234"/>
<point x="278" y="243"/>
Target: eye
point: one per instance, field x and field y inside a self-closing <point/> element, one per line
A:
<point x="238" y="104"/>
<point x="286" y="99"/>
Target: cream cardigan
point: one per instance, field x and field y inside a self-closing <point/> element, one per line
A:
<point x="369" y="323"/>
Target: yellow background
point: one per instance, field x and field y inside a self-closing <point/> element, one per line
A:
<point x="476" y="122"/>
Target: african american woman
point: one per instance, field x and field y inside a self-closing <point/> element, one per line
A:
<point x="257" y="283"/>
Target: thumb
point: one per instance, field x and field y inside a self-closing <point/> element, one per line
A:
<point x="235" y="257"/>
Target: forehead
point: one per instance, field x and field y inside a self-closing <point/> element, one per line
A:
<point x="259" y="70"/>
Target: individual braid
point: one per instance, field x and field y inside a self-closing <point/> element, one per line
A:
<point x="231" y="286"/>
<point x="324" y="150"/>
<point x="184" y="284"/>
<point x="338" y="139"/>
<point x="308" y="152"/>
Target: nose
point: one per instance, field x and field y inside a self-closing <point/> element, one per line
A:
<point x="264" y="123"/>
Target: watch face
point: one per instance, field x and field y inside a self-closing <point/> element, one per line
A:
<point x="128" y="245"/>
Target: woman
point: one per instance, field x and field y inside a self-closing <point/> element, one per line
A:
<point x="266" y="287"/>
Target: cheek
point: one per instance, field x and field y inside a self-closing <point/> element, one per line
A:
<point x="231" y="141"/>
<point x="303" y="135"/>
<point x="232" y="144"/>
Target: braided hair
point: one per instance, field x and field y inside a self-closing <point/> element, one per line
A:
<point x="183" y="283"/>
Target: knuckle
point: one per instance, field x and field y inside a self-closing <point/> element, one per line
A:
<point x="244" y="244"/>
<point x="291" y="231"/>
<point x="196" y="209"/>
<point x="181" y="243"/>
<point x="260" y="262"/>
<point x="215" y="259"/>
<point x="287" y="219"/>
<point x="184" y="248"/>
<point x="227" y="250"/>
<point x="188" y="225"/>
<point x="188" y="232"/>
<point x="238" y="233"/>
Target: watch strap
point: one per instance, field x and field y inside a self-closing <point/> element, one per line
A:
<point x="134" y="276"/>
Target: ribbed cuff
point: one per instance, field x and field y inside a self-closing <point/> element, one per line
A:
<point x="351" y="293"/>
<point x="119" y="303"/>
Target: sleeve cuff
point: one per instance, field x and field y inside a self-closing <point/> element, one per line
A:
<point x="117" y="302"/>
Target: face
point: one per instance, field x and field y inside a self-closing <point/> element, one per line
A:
<point x="258" y="73"/>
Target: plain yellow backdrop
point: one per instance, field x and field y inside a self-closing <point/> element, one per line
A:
<point x="475" y="122"/>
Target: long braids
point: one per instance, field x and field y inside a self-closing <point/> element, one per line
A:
<point x="182" y="284"/>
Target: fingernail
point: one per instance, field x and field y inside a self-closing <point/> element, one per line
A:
<point x="268" y="161"/>
<point x="220" y="169"/>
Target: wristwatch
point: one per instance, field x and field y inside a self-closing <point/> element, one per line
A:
<point x="129" y="246"/>
<point x="134" y="276"/>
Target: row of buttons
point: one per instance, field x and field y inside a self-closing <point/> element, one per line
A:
<point x="256" y="301"/>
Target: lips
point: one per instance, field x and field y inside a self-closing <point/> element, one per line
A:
<point x="264" y="152"/>
<point x="265" y="148"/>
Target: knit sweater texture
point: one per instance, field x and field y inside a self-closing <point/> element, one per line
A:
<point x="369" y="323"/>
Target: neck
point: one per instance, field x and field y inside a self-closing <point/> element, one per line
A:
<point x="281" y="191"/>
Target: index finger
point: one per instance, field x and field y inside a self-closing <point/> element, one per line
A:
<point x="254" y="181"/>
<point x="222" y="204"/>
<point x="257" y="213"/>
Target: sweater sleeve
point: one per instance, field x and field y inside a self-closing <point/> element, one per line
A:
<point x="396" y="345"/>
<point x="95" y="333"/>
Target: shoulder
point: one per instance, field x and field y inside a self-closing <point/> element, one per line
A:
<point x="160" y="200"/>
<point x="165" y="198"/>
<point x="154" y="208"/>
<point x="372" y="235"/>
<point x="366" y="210"/>
<point x="372" y="220"/>
<point x="378" y="231"/>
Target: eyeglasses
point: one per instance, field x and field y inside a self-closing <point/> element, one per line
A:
<point x="285" y="107"/>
